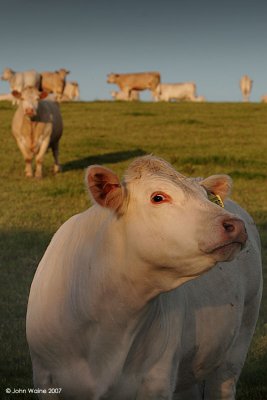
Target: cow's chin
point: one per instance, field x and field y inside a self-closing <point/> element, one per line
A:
<point x="226" y="252"/>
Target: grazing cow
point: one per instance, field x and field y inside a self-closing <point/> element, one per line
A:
<point x="71" y="91"/>
<point x="175" y="91"/>
<point x="264" y="98"/>
<point x="115" y="311"/>
<point x="54" y="82"/>
<point x="134" y="95"/>
<point x="135" y="81"/>
<point x="246" y="87"/>
<point x="36" y="126"/>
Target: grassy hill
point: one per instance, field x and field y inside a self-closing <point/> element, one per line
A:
<point x="199" y="139"/>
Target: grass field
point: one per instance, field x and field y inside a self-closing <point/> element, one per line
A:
<point x="198" y="139"/>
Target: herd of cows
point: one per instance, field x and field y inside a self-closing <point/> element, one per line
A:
<point x="37" y="125"/>
<point x="53" y="83"/>
<point x="154" y="291"/>
<point x="130" y="85"/>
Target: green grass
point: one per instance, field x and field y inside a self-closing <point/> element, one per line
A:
<point x="198" y="139"/>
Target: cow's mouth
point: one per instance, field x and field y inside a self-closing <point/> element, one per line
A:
<point x="226" y="251"/>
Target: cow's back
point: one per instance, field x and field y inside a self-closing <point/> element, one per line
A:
<point x="139" y="81"/>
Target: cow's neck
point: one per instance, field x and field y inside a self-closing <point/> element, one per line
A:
<point x="126" y="283"/>
<point x="114" y="303"/>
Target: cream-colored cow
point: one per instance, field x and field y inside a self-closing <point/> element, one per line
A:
<point x="54" y="82"/>
<point x="245" y="87"/>
<point x="175" y="91"/>
<point x="19" y="80"/>
<point x="135" y="81"/>
<point x="152" y="293"/>
<point x="36" y="126"/>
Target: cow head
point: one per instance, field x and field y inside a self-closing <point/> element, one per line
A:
<point x="29" y="98"/>
<point x="7" y="74"/>
<point x="112" y="78"/>
<point x="63" y="72"/>
<point x="169" y="221"/>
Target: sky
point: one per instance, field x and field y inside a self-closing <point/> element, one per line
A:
<point x="210" y="42"/>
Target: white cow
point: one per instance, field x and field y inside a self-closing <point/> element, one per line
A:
<point x="132" y="96"/>
<point x="71" y="91"/>
<point x="115" y="311"/>
<point x="246" y="87"/>
<point x="175" y="91"/>
<point x="19" y="80"/>
<point x="36" y="126"/>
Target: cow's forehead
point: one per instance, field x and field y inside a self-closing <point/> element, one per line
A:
<point x="148" y="166"/>
<point x="30" y="92"/>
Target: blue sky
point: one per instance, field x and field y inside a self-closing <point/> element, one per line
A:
<point x="210" y="42"/>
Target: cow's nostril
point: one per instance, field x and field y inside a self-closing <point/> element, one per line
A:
<point x="228" y="227"/>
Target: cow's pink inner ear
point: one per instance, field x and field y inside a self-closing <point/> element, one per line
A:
<point x="218" y="184"/>
<point x="104" y="187"/>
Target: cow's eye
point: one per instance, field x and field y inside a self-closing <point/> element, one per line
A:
<point x="157" y="198"/>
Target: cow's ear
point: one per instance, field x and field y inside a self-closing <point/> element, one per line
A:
<point x="43" y="95"/>
<point x="16" y="94"/>
<point x="218" y="184"/>
<point x="104" y="187"/>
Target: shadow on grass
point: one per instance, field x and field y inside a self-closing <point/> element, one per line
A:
<point x="108" y="158"/>
<point x="252" y="383"/>
<point x="20" y="253"/>
<point x="140" y="114"/>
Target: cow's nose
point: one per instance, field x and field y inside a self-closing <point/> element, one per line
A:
<point x="29" y="111"/>
<point x="235" y="229"/>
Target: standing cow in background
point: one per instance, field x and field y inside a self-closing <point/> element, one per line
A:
<point x="135" y="81"/>
<point x="54" y="82"/>
<point x="246" y="87"/>
<point x="19" y="80"/>
<point x="36" y="126"/>
<point x="115" y="311"/>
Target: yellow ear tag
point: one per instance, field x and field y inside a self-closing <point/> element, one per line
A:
<point x="215" y="198"/>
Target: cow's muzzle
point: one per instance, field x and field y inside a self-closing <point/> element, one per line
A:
<point x="30" y="112"/>
<point x="232" y="239"/>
